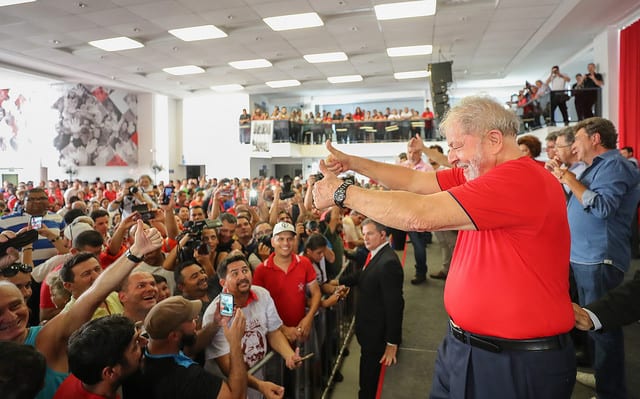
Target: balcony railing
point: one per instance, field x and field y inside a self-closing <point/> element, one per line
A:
<point x="346" y="132"/>
<point x="547" y="110"/>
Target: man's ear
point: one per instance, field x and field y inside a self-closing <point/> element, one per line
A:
<point x="496" y="140"/>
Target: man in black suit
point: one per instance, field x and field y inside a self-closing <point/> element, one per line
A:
<point x="380" y="306"/>
<point x="619" y="307"/>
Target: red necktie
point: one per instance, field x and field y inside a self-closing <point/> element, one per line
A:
<point x="366" y="262"/>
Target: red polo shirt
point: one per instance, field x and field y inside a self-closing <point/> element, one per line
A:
<point x="510" y="278"/>
<point x="286" y="288"/>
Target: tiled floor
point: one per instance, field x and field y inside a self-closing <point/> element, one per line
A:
<point x="425" y="323"/>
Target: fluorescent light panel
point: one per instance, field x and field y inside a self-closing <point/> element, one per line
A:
<point x="194" y="33"/>
<point x="250" y="64"/>
<point x="411" y="74"/>
<point x="294" y="21"/>
<point x="407" y="9"/>
<point x="276" y="84"/>
<point x="12" y="2"/>
<point x="116" y="44"/>
<point x="227" y="88"/>
<point x="409" y="50"/>
<point x="345" y="79"/>
<point x="183" y="70"/>
<point x="326" y="57"/>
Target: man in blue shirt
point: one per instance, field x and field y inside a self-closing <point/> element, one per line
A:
<point x="601" y="205"/>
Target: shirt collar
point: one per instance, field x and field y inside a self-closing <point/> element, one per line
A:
<point x="180" y="358"/>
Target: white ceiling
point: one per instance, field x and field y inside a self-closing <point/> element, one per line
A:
<point x="485" y="39"/>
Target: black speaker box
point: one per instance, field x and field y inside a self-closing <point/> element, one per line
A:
<point x="441" y="72"/>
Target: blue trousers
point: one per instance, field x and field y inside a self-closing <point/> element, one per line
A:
<point x="593" y="282"/>
<point x="466" y="372"/>
<point x="419" y="241"/>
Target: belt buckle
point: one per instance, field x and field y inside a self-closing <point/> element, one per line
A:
<point x="458" y="333"/>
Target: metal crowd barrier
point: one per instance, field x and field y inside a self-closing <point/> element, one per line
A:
<point x="316" y="377"/>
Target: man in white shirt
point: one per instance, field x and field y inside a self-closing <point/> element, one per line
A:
<point x="557" y="82"/>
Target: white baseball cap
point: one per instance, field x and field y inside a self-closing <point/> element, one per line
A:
<point x="283" y="226"/>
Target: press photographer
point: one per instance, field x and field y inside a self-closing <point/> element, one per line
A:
<point x="129" y="196"/>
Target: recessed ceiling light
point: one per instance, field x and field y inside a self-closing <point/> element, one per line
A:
<point x="183" y="70"/>
<point x="116" y="44"/>
<point x="345" y="78"/>
<point x="12" y="2"/>
<point x="409" y="50"/>
<point x="407" y="9"/>
<point x="194" y="33"/>
<point x="411" y="74"/>
<point x="251" y="64"/>
<point x="326" y="57"/>
<point x="227" y="88"/>
<point x="294" y="21"/>
<point x="276" y="84"/>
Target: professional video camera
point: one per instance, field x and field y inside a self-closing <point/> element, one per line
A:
<point x="287" y="192"/>
<point x="194" y="230"/>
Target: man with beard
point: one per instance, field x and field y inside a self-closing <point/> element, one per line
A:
<point x="167" y="373"/>
<point x="262" y="327"/>
<point x="508" y="333"/>
<point x="102" y="353"/>
<point x="194" y="284"/>
<point x="138" y="295"/>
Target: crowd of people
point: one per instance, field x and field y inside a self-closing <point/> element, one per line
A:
<point x="355" y="126"/>
<point x="201" y="277"/>
<point x="540" y="100"/>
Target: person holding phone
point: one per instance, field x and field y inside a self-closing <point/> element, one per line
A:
<point x="49" y="242"/>
<point x="262" y="328"/>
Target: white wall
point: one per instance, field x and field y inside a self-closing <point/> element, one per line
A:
<point x="210" y="134"/>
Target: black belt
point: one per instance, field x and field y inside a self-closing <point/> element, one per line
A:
<point x="496" y="345"/>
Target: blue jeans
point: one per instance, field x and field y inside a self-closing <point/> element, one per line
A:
<point x="593" y="282"/>
<point x="419" y="242"/>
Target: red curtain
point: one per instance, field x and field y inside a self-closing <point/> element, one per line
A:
<point x="629" y="116"/>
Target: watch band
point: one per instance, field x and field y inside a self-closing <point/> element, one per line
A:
<point x="341" y="193"/>
<point x="132" y="257"/>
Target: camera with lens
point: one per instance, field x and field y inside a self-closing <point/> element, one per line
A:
<point x="133" y="190"/>
<point x="287" y="192"/>
<point x="266" y="240"/>
<point x="194" y="230"/>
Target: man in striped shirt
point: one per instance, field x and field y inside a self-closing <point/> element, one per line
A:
<point x="49" y="241"/>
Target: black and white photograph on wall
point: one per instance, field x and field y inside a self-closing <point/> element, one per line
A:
<point x="97" y="126"/>
<point x="261" y="135"/>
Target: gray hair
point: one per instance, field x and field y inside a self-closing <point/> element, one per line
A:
<point x="479" y="115"/>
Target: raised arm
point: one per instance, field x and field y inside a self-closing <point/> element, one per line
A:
<point x="433" y="212"/>
<point x="52" y="340"/>
<point x="394" y="177"/>
<point x="236" y="385"/>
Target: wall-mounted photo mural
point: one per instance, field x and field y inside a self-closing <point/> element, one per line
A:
<point x="11" y="119"/>
<point x="96" y="126"/>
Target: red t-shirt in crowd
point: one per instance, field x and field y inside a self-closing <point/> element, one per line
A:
<point x="510" y="278"/>
<point x="71" y="387"/>
<point x="286" y="289"/>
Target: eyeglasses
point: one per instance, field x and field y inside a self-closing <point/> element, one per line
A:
<point x="563" y="146"/>
<point x="13" y="269"/>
